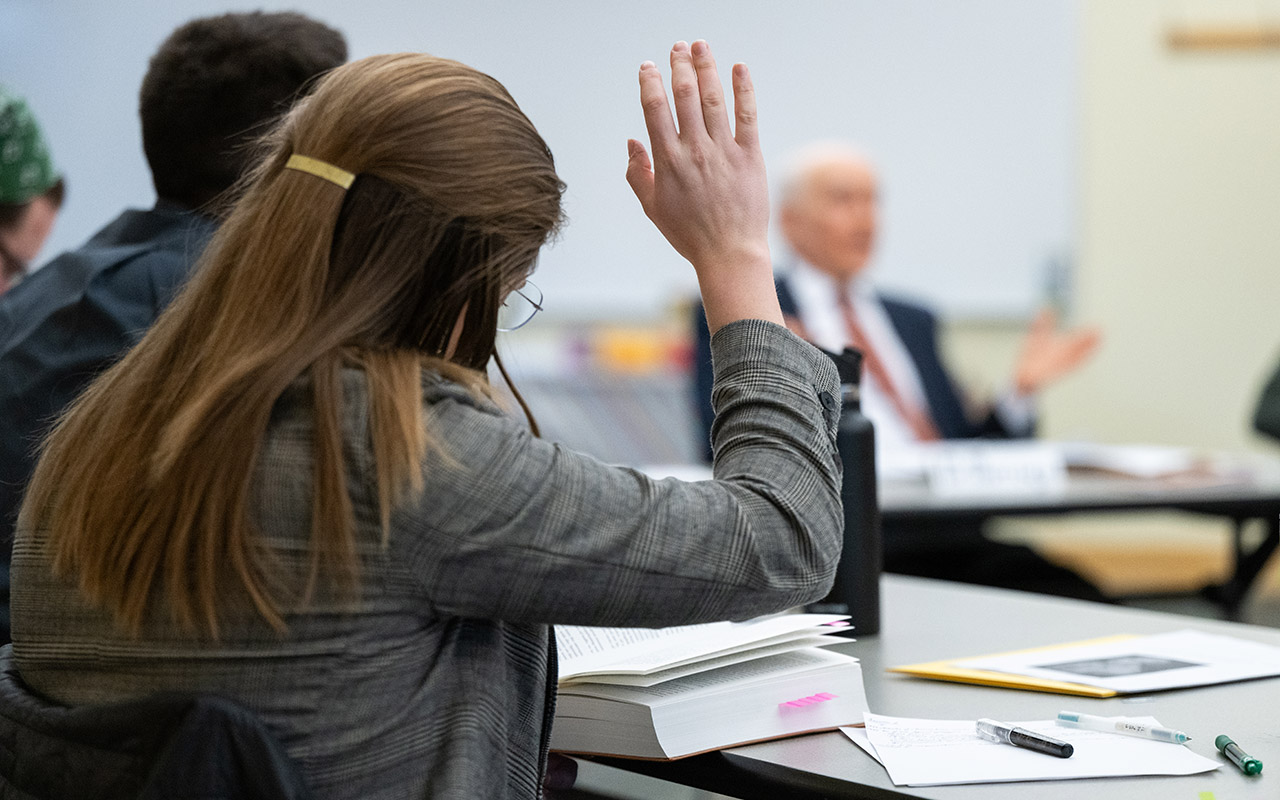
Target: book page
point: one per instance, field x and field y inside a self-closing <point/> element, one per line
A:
<point x="638" y="650"/>
<point x="768" y="669"/>
<point x="574" y="643"/>
<point x="702" y="665"/>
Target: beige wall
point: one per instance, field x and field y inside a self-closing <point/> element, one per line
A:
<point x="1179" y="257"/>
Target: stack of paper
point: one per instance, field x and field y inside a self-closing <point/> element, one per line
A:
<point x="925" y="752"/>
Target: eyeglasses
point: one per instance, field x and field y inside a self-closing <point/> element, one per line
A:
<point x="519" y="307"/>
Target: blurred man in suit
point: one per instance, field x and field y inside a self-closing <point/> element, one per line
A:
<point x="828" y="213"/>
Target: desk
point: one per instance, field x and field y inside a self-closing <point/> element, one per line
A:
<point x="927" y="620"/>
<point x="1248" y="491"/>
<point x="1237" y="488"/>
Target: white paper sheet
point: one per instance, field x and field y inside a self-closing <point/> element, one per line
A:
<point x="926" y="752"/>
<point x="1145" y="663"/>
<point x="1141" y="461"/>
<point x="997" y="470"/>
<point x="977" y="468"/>
<point x="973" y="461"/>
<point x="859" y="737"/>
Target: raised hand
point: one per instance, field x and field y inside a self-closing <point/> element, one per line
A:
<point x="705" y="187"/>
<point x="1048" y="354"/>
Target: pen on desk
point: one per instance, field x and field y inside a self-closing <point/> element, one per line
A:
<point x="1128" y="727"/>
<point x="1247" y="763"/>
<point x="994" y="731"/>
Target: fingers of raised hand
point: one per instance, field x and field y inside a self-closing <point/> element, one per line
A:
<point x="685" y="93"/>
<point x="640" y="174"/>
<point x="711" y="93"/>
<point x="657" y="113"/>
<point x="744" y="107"/>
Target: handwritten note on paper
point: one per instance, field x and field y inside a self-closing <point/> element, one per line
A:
<point x="926" y="752"/>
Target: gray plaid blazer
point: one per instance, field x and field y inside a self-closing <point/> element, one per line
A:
<point x="440" y="680"/>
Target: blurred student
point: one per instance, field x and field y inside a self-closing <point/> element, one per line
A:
<point x="1266" y="416"/>
<point x="31" y="191"/>
<point x="296" y="491"/>
<point x="828" y="213"/>
<point x="212" y="88"/>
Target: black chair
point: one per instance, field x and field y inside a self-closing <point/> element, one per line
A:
<point x="176" y="747"/>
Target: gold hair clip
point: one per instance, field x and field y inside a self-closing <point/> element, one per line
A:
<point x="321" y="169"/>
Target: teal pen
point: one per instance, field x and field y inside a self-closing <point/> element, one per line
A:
<point x="1247" y="763"/>
<point x="1128" y="727"/>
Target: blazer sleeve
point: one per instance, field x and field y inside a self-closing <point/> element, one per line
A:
<point x="515" y="528"/>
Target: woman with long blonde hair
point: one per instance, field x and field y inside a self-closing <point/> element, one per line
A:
<point x="297" y="492"/>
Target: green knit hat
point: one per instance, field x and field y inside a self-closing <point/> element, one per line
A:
<point x="26" y="171"/>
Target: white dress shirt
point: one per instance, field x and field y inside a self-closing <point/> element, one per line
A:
<point x="816" y="298"/>
<point x="815" y="294"/>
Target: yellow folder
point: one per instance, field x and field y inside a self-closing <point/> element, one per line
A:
<point x="948" y="671"/>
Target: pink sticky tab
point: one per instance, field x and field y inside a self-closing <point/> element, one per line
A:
<point x="811" y="700"/>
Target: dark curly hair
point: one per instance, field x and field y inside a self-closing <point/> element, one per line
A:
<point x="215" y="85"/>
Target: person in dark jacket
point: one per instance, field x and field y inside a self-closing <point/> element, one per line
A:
<point x="31" y="190"/>
<point x="1266" y="416"/>
<point x="71" y="319"/>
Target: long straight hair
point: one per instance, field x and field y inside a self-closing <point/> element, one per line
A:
<point x="146" y="485"/>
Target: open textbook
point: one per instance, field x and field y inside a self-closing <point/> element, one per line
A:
<point x="674" y="692"/>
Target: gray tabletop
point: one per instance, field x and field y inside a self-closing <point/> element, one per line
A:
<point x="931" y="620"/>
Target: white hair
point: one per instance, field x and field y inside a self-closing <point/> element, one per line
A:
<point x="799" y="165"/>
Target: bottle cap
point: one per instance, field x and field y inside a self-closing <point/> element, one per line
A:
<point x="848" y="365"/>
<point x="1247" y="763"/>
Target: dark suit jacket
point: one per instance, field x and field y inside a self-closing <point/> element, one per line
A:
<point x="916" y="326"/>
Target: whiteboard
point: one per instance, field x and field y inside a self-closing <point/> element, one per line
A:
<point x="967" y="108"/>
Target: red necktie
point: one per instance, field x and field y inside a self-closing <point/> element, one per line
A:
<point x="917" y="419"/>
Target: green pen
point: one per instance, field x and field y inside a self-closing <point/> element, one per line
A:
<point x="1247" y="763"/>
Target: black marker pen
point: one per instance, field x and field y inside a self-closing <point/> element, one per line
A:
<point x="1021" y="737"/>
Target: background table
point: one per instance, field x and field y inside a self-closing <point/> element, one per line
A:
<point x="1238" y="488"/>
<point x="1246" y="491"/>
<point x="930" y="620"/>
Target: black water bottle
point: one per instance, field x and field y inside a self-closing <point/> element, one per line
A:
<point x="856" y="591"/>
